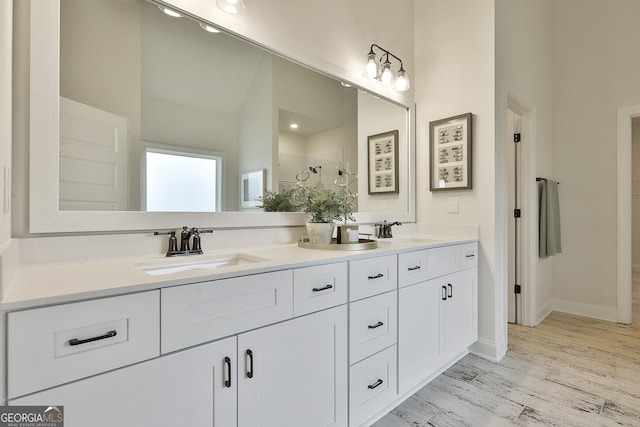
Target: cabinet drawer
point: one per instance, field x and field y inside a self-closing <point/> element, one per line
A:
<point x="320" y="287"/>
<point x="54" y="345"/>
<point x="468" y="255"/>
<point x="372" y="276"/>
<point x="372" y="386"/>
<point x="412" y="268"/>
<point x="373" y="325"/>
<point x="444" y="260"/>
<point x="202" y="312"/>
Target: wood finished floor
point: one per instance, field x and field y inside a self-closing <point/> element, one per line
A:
<point x="567" y="371"/>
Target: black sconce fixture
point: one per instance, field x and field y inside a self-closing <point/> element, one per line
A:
<point x="381" y="69"/>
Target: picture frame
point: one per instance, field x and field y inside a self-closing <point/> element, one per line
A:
<point x="383" y="162"/>
<point x="252" y="188"/>
<point x="450" y="151"/>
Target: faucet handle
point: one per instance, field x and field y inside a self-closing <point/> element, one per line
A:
<point x="173" y="241"/>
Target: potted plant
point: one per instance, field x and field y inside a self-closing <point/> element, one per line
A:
<point x="283" y="201"/>
<point x="324" y="206"/>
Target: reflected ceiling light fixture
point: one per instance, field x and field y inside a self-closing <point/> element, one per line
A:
<point x="293" y="126"/>
<point x="231" y="6"/>
<point x="381" y="69"/>
<point x="209" y="28"/>
<point x="169" y="12"/>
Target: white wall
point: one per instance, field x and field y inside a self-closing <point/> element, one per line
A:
<point x="596" y="70"/>
<point x="455" y="74"/>
<point x="524" y="77"/>
<point x="6" y="26"/>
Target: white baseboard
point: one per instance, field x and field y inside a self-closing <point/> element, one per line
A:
<point x="488" y="349"/>
<point x="588" y="310"/>
<point x="543" y="312"/>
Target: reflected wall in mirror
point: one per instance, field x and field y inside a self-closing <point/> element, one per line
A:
<point x="142" y="78"/>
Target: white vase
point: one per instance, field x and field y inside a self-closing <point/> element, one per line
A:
<point x="320" y="232"/>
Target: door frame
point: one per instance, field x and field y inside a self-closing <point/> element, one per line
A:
<point x="624" y="308"/>
<point x="528" y="221"/>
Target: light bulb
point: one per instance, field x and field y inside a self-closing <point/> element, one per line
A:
<point x="209" y="28"/>
<point x="387" y="74"/>
<point x="371" y="70"/>
<point x="231" y="6"/>
<point x="170" y="12"/>
<point x="402" y="81"/>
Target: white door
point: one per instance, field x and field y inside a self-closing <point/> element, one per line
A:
<point x="195" y="387"/>
<point x="294" y="373"/>
<point x="93" y="158"/>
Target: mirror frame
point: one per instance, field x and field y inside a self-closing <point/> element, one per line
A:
<point x="44" y="213"/>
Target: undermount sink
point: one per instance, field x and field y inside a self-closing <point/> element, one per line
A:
<point x="194" y="262"/>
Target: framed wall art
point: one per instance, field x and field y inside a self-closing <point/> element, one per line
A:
<point x="450" y="152"/>
<point x="383" y="162"/>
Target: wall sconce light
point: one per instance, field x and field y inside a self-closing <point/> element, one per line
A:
<point x="231" y="6"/>
<point x="382" y="70"/>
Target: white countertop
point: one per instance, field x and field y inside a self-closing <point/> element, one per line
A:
<point x="60" y="282"/>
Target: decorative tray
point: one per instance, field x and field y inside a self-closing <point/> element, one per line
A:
<point x="335" y="246"/>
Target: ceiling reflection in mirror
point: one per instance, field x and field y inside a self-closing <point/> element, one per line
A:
<point x="136" y="82"/>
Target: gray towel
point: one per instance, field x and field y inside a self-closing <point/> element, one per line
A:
<point x="549" y="226"/>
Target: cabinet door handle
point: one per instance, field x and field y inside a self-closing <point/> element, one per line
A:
<point x="227" y="382"/>
<point x="417" y="267"/>
<point x="249" y="354"/>
<point x="450" y="286"/>
<point x="377" y="325"/>
<point x="470" y="255"/>
<point x="377" y="276"/>
<point x="76" y="341"/>
<point x="444" y="293"/>
<point x="324" y="288"/>
<point x="376" y="384"/>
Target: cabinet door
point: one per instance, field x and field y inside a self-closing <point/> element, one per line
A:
<point x="189" y="388"/>
<point x="459" y="311"/>
<point x="418" y="333"/>
<point x="295" y="373"/>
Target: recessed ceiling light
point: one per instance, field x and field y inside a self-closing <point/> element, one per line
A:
<point x="231" y="6"/>
<point x="293" y="126"/>
<point x="209" y="28"/>
<point x="169" y="12"/>
<point x="345" y="84"/>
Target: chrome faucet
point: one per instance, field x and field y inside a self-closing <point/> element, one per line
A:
<point x="383" y="229"/>
<point x="190" y="242"/>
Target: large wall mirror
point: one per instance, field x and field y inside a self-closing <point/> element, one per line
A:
<point x="138" y="117"/>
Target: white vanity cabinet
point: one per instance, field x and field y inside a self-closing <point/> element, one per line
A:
<point x="437" y="317"/>
<point x="194" y="387"/>
<point x="295" y="373"/>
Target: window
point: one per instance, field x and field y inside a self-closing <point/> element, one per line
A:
<point x="177" y="180"/>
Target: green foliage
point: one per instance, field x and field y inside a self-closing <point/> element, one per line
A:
<point x="284" y="201"/>
<point x="323" y="204"/>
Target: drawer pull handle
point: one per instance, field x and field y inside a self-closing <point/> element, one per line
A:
<point x="76" y="341"/>
<point x="324" y="288"/>
<point x="376" y="384"/>
<point x="450" y="286"/>
<point x="444" y="293"/>
<point x="417" y="267"/>
<point x="377" y="325"/>
<point x="377" y="276"/>
<point x="470" y="256"/>
<point x="227" y="382"/>
<point x="249" y="353"/>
